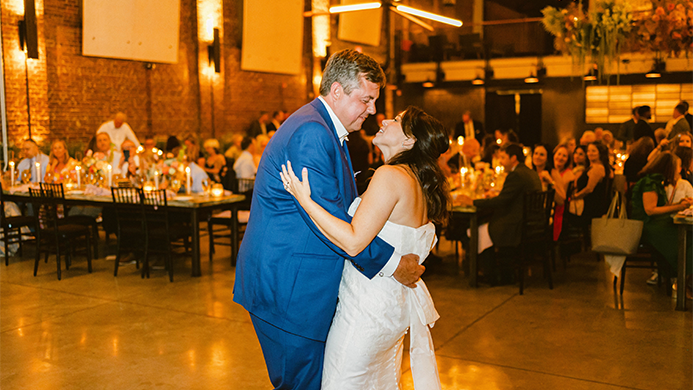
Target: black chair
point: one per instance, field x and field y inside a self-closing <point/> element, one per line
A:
<point x="54" y="235"/>
<point x="224" y="219"/>
<point x="160" y="232"/>
<point x="537" y="233"/>
<point x="648" y="258"/>
<point x="131" y="229"/>
<point x="84" y="220"/>
<point x="11" y="228"/>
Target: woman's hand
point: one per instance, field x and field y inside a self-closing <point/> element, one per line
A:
<point x="686" y="203"/>
<point x="300" y="190"/>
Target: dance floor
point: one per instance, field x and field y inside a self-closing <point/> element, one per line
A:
<point x="96" y="331"/>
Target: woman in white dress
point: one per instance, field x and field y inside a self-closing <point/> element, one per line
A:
<point x="404" y="198"/>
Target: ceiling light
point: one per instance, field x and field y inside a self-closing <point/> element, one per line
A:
<point x="428" y="84"/>
<point x="653" y="74"/>
<point x="590" y="77"/>
<point x="531" y="79"/>
<point x="354" y="7"/>
<point x="478" y="81"/>
<point x="428" y="15"/>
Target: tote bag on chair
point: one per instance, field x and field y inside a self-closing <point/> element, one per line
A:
<point x="616" y="234"/>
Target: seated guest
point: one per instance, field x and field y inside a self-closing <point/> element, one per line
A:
<point x="579" y="160"/>
<point x="193" y="151"/>
<point x="61" y="164"/>
<point x="149" y="143"/>
<point x="608" y="139"/>
<point x="172" y="145"/>
<point x="660" y="135"/>
<point x="541" y="163"/>
<point x="214" y="162"/>
<point x="649" y="204"/>
<point x="129" y="163"/>
<point x="637" y="159"/>
<point x="504" y="227"/>
<point x="118" y="131"/>
<point x="245" y="166"/>
<point x="587" y="138"/>
<point x="260" y="144"/>
<point x="686" y="156"/>
<point x="506" y="136"/>
<point x="684" y="139"/>
<point x="592" y="185"/>
<point x="235" y="149"/>
<point x="561" y="177"/>
<point x="32" y="155"/>
<point x="682" y="188"/>
<point x="490" y="152"/>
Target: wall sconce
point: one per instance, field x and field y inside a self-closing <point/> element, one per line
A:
<point x="214" y="52"/>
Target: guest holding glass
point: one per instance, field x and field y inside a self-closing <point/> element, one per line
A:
<point x="32" y="155"/>
<point x="561" y="176"/>
<point x="215" y="162"/>
<point x="592" y="185"/>
<point x="650" y="205"/>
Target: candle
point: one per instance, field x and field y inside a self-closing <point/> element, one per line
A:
<point x="188" y="186"/>
<point x="148" y="187"/>
<point x="460" y="140"/>
<point x="38" y="172"/>
<point x="110" y="175"/>
<point x="156" y="179"/>
<point x="79" y="178"/>
<point x="217" y="190"/>
<point x="11" y="173"/>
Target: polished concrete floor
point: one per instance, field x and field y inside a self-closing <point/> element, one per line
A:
<point x="96" y="331"/>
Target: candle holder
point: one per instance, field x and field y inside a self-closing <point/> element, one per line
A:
<point x="217" y="190"/>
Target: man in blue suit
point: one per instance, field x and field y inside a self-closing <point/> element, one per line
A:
<point x="288" y="273"/>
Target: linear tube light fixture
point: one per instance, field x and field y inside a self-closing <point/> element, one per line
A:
<point x="354" y="7"/>
<point x="428" y="15"/>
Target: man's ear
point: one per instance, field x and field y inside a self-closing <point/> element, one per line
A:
<point x="336" y="90"/>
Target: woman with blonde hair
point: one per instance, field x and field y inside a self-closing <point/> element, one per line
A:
<point x="60" y="163"/>
<point x="215" y="161"/>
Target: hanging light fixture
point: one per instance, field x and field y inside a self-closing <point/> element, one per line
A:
<point x="658" y="67"/>
<point x="428" y="84"/>
<point x="478" y="81"/>
<point x="532" y="79"/>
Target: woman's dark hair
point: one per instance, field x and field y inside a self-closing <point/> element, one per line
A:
<point x="603" y="156"/>
<point x="584" y="150"/>
<point x="90" y="146"/>
<point x="512" y="136"/>
<point x="569" y="163"/>
<point x="172" y="143"/>
<point x="488" y="152"/>
<point x="514" y="149"/>
<point x="664" y="164"/>
<point x="431" y="141"/>
<point x="549" y="157"/>
<point x="642" y="147"/>
<point x="686" y="155"/>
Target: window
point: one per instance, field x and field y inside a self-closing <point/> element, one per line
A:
<point x="613" y="104"/>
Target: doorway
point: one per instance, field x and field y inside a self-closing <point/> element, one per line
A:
<point x="518" y="110"/>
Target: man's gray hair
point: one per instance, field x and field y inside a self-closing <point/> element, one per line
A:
<point x="346" y="67"/>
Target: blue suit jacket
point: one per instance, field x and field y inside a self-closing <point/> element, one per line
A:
<point x="288" y="272"/>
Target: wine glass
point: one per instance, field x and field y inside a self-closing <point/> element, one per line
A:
<point x="50" y="177"/>
<point x="206" y="185"/>
<point x="175" y="184"/>
<point x="26" y="176"/>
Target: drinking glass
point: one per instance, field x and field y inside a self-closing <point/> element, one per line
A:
<point x="206" y="185"/>
<point x="26" y="176"/>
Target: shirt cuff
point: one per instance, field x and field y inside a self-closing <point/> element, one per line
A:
<point x="391" y="265"/>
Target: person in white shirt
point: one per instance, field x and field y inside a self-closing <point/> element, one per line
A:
<point x="245" y="166"/>
<point x="119" y="131"/>
<point x="32" y="155"/>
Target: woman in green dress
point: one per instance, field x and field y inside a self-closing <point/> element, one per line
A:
<point x="650" y="205"/>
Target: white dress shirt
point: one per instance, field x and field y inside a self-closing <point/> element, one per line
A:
<point x="30" y="163"/>
<point x="118" y="135"/>
<point x="245" y="166"/>
<point x="342" y="133"/>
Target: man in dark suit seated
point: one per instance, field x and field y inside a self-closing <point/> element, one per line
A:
<point x="504" y="228"/>
<point x="469" y="128"/>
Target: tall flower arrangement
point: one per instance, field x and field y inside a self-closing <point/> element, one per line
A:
<point x="599" y="35"/>
<point x="665" y="29"/>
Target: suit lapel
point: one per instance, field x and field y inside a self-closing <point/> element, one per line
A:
<point x="347" y="186"/>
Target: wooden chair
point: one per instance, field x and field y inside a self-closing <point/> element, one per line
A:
<point x="84" y="220"/>
<point x="537" y="233"/>
<point x="131" y="230"/>
<point x="242" y="186"/>
<point x="160" y="233"/>
<point x="11" y="228"/>
<point x="52" y="234"/>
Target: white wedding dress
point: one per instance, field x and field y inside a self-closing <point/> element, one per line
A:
<point x="365" y="343"/>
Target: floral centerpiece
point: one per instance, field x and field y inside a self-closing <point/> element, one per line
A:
<point x="599" y="35"/>
<point x="664" y="29"/>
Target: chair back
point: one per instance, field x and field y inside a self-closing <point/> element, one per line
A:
<point x="2" y="205"/>
<point x="53" y="190"/>
<point x="126" y="195"/>
<point x="156" y="209"/>
<point x="537" y="210"/>
<point x="45" y="208"/>
<point x="245" y="187"/>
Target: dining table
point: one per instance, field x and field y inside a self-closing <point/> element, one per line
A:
<point x="469" y="213"/>
<point x="197" y="205"/>
<point x="685" y="231"/>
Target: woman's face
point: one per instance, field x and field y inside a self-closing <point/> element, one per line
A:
<point x="58" y="150"/>
<point x="103" y="142"/>
<point x="685" y="140"/>
<point x="539" y="156"/>
<point x="593" y="153"/>
<point x="579" y="156"/>
<point x="560" y="158"/>
<point x="210" y="150"/>
<point x="390" y="134"/>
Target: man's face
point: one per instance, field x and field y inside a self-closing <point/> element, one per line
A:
<point x="676" y="114"/>
<point x="353" y="109"/>
<point x="506" y="161"/>
<point x="149" y="144"/>
<point x="117" y="122"/>
<point x="103" y="142"/>
<point x="29" y="150"/>
<point x="647" y="115"/>
<point x="466" y="118"/>
<point x="128" y="145"/>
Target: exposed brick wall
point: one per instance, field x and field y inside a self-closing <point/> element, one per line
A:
<point x="71" y="95"/>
